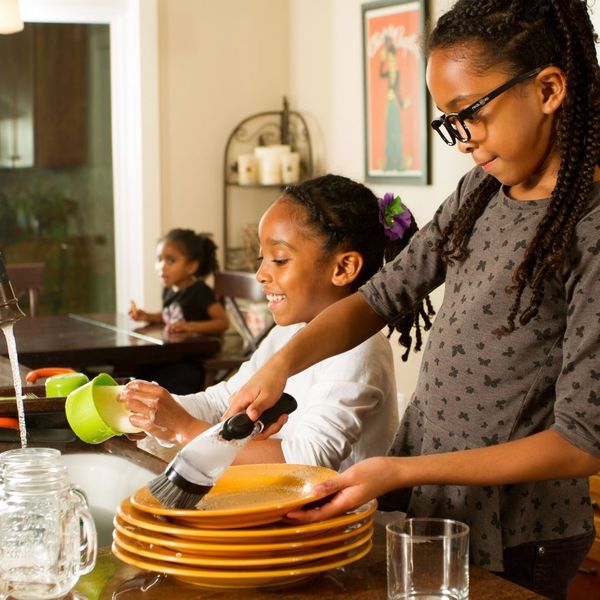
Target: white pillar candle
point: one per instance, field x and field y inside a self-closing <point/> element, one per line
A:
<point x="247" y="169"/>
<point x="290" y="167"/>
<point x="269" y="163"/>
<point x="272" y="150"/>
<point x="269" y="170"/>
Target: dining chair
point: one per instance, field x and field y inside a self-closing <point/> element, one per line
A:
<point x="26" y="279"/>
<point x="231" y="289"/>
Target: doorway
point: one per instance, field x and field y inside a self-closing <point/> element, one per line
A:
<point x="56" y="196"/>
<point x="133" y="27"/>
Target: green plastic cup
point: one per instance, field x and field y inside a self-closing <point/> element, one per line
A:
<point x="83" y="415"/>
<point x="60" y="386"/>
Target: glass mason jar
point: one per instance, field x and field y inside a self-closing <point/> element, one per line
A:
<point x="23" y="456"/>
<point x="29" y="455"/>
<point x="47" y="534"/>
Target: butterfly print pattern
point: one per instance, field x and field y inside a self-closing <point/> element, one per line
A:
<point x="476" y="389"/>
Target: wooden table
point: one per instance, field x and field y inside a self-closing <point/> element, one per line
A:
<point x="81" y="341"/>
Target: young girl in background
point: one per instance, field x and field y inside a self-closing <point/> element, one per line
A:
<point x="319" y="242"/>
<point x="504" y="427"/>
<point x="184" y="260"/>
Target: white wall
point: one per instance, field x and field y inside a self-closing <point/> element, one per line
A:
<point x="595" y="12"/>
<point x="326" y="82"/>
<point x="221" y="60"/>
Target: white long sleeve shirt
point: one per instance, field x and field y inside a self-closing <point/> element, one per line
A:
<point x="347" y="407"/>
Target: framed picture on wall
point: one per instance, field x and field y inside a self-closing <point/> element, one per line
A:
<point x="395" y="94"/>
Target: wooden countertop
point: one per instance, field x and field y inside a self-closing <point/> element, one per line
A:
<point x="112" y="579"/>
<point x="363" y="580"/>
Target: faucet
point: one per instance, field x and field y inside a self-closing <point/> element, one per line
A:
<point x="9" y="307"/>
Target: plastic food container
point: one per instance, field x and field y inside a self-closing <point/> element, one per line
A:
<point x="94" y="412"/>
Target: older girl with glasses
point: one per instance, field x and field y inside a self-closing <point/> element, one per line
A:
<point x="504" y="426"/>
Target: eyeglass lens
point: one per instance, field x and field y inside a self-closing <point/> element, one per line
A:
<point x="451" y="128"/>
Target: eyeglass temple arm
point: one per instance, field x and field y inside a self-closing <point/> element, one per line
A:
<point x="482" y="101"/>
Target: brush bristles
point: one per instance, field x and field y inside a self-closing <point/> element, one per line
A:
<point x="171" y="496"/>
<point x="166" y="490"/>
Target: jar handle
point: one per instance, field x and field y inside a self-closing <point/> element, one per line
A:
<point x="88" y="540"/>
<point x="81" y="497"/>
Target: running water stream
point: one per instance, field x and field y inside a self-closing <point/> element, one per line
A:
<point x="14" y="365"/>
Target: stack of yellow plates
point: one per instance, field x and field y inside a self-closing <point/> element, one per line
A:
<point x="235" y="538"/>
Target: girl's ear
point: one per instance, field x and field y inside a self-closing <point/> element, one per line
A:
<point x="192" y="266"/>
<point x="551" y="84"/>
<point x="347" y="267"/>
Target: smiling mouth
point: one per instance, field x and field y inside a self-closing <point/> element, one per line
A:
<point x="274" y="297"/>
<point x="488" y="164"/>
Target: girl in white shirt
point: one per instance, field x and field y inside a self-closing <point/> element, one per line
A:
<point x="319" y="242"/>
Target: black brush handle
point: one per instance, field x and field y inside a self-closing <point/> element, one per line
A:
<point x="241" y="425"/>
<point x="284" y="406"/>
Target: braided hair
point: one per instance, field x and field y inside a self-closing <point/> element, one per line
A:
<point x="344" y="214"/>
<point x="522" y="35"/>
<point x="195" y="246"/>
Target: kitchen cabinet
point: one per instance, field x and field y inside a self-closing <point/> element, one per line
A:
<point x="42" y="96"/>
<point x="244" y="203"/>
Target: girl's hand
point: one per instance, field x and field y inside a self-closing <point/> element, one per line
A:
<point x="156" y="412"/>
<point x="135" y="437"/>
<point x="271" y="429"/>
<point x="178" y="327"/>
<point x="134" y="311"/>
<point x="360" y="483"/>
<point x="261" y="391"/>
<point x="137" y="314"/>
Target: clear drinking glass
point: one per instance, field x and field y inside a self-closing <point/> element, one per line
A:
<point x="47" y="534"/>
<point x="428" y="559"/>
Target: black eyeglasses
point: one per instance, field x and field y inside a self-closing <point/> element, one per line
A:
<point x="452" y="127"/>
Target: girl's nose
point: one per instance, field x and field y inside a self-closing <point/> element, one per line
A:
<point x="477" y="135"/>
<point x="261" y="275"/>
<point x="466" y="147"/>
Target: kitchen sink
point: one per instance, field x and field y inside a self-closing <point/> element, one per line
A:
<point x="106" y="480"/>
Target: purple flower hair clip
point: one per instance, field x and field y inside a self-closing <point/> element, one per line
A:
<point x="394" y="216"/>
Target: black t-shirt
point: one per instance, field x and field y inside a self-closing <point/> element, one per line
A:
<point x="189" y="304"/>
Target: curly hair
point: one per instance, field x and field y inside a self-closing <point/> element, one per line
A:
<point x="195" y="246"/>
<point x="520" y="35"/>
<point x="344" y="214"/>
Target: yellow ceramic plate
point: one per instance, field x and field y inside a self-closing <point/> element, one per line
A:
<point x="199" y="560"/>
<point x="247" y="489"/>
<point x="278" y="532"/>
<point x="232" y="522"/>
<point x="234" y="548"/>
<point x="231" y="578"/>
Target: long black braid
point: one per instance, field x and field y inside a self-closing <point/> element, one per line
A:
<point x="521" y="35"/>
<point x="345" y="215"/>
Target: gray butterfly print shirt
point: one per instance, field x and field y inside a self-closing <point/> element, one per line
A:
<point x="476" y="389"/>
